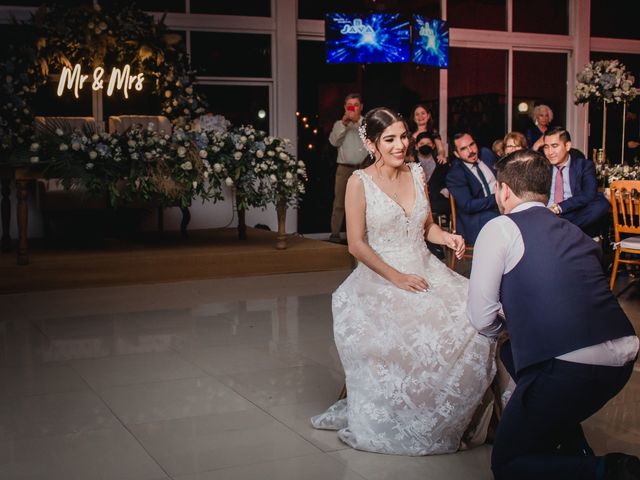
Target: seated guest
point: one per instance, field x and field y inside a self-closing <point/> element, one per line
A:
<point x="472" y="182"/>
<point x="574" y="187"/>
<point x="435" y="173"/>
<point x="514" y="141"/>
<point x="498" y="147"/>
<point x="542" y="117"/>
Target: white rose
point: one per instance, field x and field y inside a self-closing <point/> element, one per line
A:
<point x="148" y="155"/>
<point x="195" y="184"/>
<point x="89" y="166"/>
<point x="34" y="159"/>
<point x="217" y="167"/>
<point x="260" y="153"/>
<point x="300" y="163"/>
<point x="264" y="166"/>
<point x="206" y="174"/>
<point x="182" y="151"/>
<point x="284" y="156"/>
<point x="93" y="154"/>
<point x="271" y="153"/>
<point x="64" y="147"/>
<point x="228" y="182"/>
<point x="131" y="143"/>
<point x="189" y="90"/>
<point x="237" y="155"/>
<point x="288" y="176"/>
<point x="243" y="139"/>
<point x="134" y="156"/>
<point x="95" y="137"/>
<point x="186" y="166"/>
<point x="300" y="171"/>
<point x="75" y="146"/>
<point x="272" y="178"/>
<point x="203" y="154"/>
<point x="59" y="132"/>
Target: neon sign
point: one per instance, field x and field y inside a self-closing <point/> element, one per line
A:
<point x="120" y="79"/>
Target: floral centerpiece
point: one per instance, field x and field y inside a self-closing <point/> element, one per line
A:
<point x="606" y="81"/>
<point x="610" y="173"/>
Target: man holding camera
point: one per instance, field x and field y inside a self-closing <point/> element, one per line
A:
<point x="351" y="152"/>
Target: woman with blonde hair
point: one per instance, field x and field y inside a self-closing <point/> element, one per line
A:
<point x="514" y="141"/>
<point x="542" y="117"/>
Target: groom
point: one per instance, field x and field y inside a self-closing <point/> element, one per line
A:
<point x="571" y="346"/>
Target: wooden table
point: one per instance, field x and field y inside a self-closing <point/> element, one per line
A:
<point x="22" y="176"/>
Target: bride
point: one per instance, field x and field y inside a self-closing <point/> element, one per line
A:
<point x="416" y="370"/>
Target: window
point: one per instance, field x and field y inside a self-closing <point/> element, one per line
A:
<point x="174" y="6"/>
<point x="240" y="104"/>
<point x="541" y="16"/>
<point x="538" y="78"/>
<point x="231" y="54"/>
<point x="315" y="9"/>
<point x="255" y="8"/>
<point x="479" y="14"/>
<point x="477" y="93"/>
<point x="614" y="19"/>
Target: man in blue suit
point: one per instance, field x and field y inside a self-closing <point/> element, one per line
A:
<point x="571" y="347"/>
<point x="574" y="187"/>
<point x="472" y="182"/>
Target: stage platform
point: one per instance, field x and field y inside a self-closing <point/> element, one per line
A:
<point x="159" y="258"/>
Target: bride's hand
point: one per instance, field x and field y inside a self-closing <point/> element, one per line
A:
<point x="410" y="282"/>
<point x="455" y="243"/>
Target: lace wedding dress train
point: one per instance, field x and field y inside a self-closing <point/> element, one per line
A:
<point x="416" y="370"/>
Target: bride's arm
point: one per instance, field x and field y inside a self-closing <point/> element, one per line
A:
<point x="434" y="234"/>
<point x="355" y="206"/>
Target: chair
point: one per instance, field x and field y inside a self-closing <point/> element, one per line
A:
<point x="468" y="252"/>
<point x="625" y="206"/>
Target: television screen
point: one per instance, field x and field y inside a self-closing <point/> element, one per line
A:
<point x="367" y="38"/>
<point x="430" y="42"/>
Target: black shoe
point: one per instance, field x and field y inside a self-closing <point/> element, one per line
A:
<point x="620" y="466"/>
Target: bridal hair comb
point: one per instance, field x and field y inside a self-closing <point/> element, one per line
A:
<point x="362" y="133"/>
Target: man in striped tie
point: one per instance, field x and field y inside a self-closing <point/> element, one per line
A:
<point x="574" y="187"/>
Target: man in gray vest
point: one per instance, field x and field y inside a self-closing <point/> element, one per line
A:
<point x="351" y="152"/>
<point x="571" y="347"/>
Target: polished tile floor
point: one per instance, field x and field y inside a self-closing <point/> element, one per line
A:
<point x="203" y="380"/>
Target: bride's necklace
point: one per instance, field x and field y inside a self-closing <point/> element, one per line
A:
<point x="393" y="181"/>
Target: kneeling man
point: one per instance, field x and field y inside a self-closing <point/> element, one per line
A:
<point x="571" y="346"/>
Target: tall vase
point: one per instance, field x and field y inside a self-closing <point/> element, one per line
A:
<point x="604" y="131"/>
<point x="624" y="124"/>
<point x="281" y="209"/>
<point x="240" y="207"/>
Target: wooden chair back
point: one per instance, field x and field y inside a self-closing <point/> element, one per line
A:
<point x="625" y="207"/>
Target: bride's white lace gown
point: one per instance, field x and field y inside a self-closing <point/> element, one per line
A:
<point x="415" y="368"/>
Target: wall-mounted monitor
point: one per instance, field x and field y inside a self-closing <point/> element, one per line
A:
<point x="430" y="44"/>
<point x="367" y="38"/>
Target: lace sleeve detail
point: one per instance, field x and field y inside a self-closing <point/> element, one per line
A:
<point x="419" y="171"/>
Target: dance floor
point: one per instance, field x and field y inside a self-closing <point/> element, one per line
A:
<point x="203" y="380"/>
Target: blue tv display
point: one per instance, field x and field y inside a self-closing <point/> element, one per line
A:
<point x="367" y="38"/>
<point x="430" y="42"/>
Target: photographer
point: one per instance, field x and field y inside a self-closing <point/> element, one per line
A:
<point x="351" y="152"/>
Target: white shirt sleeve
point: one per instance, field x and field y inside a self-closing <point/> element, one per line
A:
<point x="497" y="250"/>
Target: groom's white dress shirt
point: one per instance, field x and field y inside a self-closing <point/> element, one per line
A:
<point x="497" y="251"/>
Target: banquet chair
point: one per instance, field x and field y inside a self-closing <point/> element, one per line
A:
<point x="468" y="251"/>
<point x="625" y="206"/>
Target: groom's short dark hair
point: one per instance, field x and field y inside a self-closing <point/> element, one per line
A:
<point x="528" y="174"/>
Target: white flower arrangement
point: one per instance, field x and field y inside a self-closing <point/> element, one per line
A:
<point x="605" y="80"/>
<point x="610" y="173"/>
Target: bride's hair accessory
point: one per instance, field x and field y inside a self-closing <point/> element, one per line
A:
<point x="362" y="133"/>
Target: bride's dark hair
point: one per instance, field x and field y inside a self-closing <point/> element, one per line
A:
<point x="375" y="122"/>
